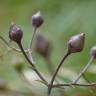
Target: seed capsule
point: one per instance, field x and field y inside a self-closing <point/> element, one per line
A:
<point x="76" y="43"/>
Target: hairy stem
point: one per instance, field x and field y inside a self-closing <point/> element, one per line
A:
<point x="54" y="75"/>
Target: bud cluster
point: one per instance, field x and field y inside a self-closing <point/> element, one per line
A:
<point x="43" y="47"/>
<point x="16" y="34"/>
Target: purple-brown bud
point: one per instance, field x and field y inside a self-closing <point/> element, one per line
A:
<point x="15" y="33"/>
<point x="93" y="51"/>
<point x="76" y="43"/>
<point x="37" y="20"/>
<point x="42" y="46"/>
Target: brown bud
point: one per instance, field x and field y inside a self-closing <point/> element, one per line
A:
<point x="15" y="33"/>
<point x="42" y="46"/>
<point x="76" y="43"/>
<point x="37" y="20"/>
<point x="93" y="51"/>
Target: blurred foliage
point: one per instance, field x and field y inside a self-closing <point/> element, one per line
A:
<point x="63" y="18"/>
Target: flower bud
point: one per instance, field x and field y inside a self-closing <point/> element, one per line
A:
<point x="93" y="51"/>
<point x="76" y="43"/>
<point x="37" y="20"/>
<point x="42" y="46"/>
<point x="15" y="33"/>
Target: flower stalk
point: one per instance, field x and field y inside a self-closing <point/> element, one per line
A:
<point x="83" y="70"/>
<point x="54" y="75"/>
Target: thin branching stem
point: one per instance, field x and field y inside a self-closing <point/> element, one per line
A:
<point x="83" y="70"/>
<point x="92" y="88"/>
<point x="51" y="67"/>
<point x="51" y="70"/>
<point x="4" y="41"/>
<point x="32" y="38"/>
<point x="11" y="47"/>
<point x="54" y="75"/>
<point x="30" y="45"/>
<point x="74" y="84"/>
<point x="33" y="66"/>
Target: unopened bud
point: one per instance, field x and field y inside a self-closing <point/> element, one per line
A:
<point x="15" y="33"/>
<point x="76" y="43"/>
<point x="93" y="51"/>
<point x="37" y="20"/>
<point x="42" y="46"/>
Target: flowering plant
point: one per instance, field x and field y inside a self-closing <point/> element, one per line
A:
<point x="75" y="44"/>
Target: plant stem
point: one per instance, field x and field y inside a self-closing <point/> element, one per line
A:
<point x="50" y="67"/>
<point x="83" y="70"/>
<point x="33" y="66"/>
<point x="30" y="45"/>
<point x="11" y="47"/>
<point x="4" y="41"/>
<point x="75" y="84"/>
<point x="92" y="89"/>
<point x="54" y="75"/>
<point x="32" y="38"/>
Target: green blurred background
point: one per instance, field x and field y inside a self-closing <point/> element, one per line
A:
<point x="62" y="19"/>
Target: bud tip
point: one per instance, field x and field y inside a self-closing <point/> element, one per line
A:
<point x="37" y="19"/>
<point x="76" y="43"/>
